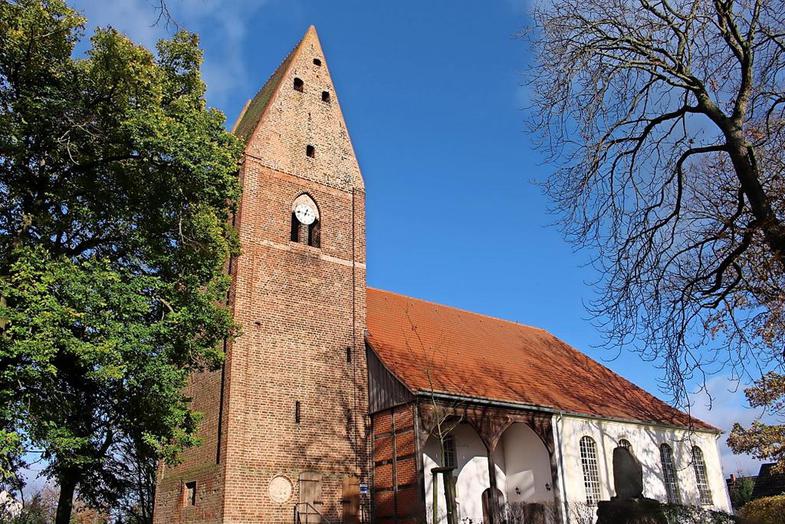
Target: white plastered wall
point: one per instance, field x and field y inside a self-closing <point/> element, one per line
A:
<point x="521" y="460"/>
<point x="472" y="468"/>
<point x="645" y="440"/>
<point x="527" y="466"/>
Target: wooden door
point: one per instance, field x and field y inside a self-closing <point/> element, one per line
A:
<point x="351" y="500"/>
<point x="310" y="497"/>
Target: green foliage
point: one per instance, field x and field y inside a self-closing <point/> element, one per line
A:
<point x="117" y="185"/>
<point x="10" y="450"/>
<point x="767" y="510"/>
<point x="741" y="492"/>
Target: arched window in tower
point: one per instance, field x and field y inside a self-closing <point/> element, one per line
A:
<point x="669" y="475"/>
<point x="298" y="84"/>
<point x="306" y="224"/>
<point x="702" y="479"/>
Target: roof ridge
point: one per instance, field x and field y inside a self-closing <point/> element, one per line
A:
<point x="462" y="310"/>
<point x="244" y="129"/>
<point x="580" y="358"/>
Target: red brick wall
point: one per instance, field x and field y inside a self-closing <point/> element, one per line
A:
<point x="295" y="305"/>
<point x="198" y="464"/>
<point x="396" y="491"/>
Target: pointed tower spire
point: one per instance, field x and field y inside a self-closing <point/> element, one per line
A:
<point x="294" y="123"/>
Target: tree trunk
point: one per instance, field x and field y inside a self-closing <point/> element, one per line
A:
<point x="743" y="160"/>
<point x="449" y="497"/>
<point x="435" y="491"/>
<point x="493" y="506"/>
<point x="65" y="502"/>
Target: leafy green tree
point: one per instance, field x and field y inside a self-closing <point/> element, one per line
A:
<point x="117" y="185"/>
<point x="741" y="491"/>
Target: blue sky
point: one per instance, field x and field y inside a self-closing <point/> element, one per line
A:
<point x="433" y="95"/>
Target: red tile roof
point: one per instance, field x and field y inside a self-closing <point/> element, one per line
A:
<point x="430" y="347"/>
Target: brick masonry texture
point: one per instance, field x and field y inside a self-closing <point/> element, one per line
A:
<point x="396" y="490"/>
<point x="293" y="120"/>
<point x="299" y="309"/>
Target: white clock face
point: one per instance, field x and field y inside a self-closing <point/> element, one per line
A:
<point x="305" y="214"/>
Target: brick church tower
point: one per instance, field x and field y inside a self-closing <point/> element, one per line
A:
<point x="284" y="429"/>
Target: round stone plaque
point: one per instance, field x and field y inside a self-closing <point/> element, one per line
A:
<point x="280" y="489"/>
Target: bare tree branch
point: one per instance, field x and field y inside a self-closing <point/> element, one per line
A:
<point x="665" y="122"/>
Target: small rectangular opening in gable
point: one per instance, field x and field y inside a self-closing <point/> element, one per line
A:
<point x="326" y="96"/>
<point x="298" y="84"/>
<point x="310" y="151"/>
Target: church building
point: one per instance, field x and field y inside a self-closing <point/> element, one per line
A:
<point x="343" y="403"/>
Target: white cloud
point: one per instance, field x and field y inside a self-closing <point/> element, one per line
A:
<point x="722" y="405"/>
<point x="136" y="18"/>
<point x="228" y="23"/>
<point x="223" y="26"/>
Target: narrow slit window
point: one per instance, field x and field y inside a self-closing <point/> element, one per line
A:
<point x="669" y="476"/>
<point x="701" y="477"/>
<point x="348" y="355"/>
<point x="310" y="151"/>
<point x="317" y="62"/>
<point x="297" y="414"/>
<point x="326" y="96"/>
<point x="189" y="496"/>
<point x="591" y="473"/>
<point x="298" y="84"/>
